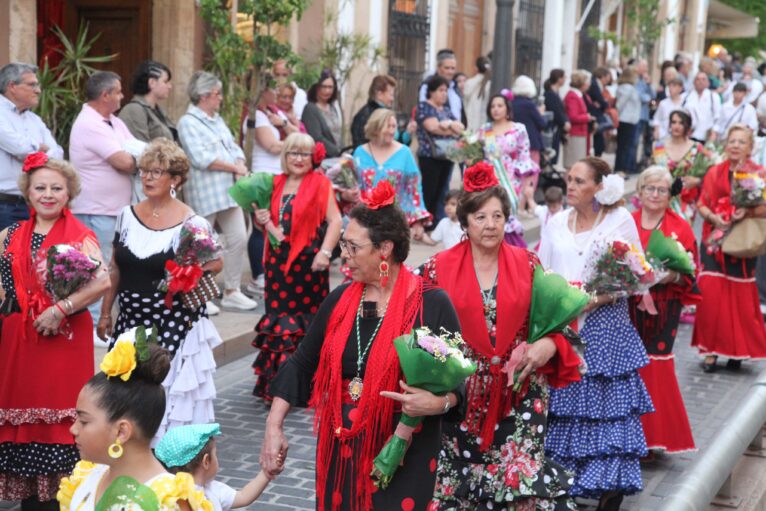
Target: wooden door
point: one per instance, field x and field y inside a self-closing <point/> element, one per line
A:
<point x="466" y="27"/>
<point x="124" y="27"/>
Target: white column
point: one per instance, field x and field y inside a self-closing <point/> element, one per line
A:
<point x="377" y="15"/>
<point x="553" y="40"/>
<point x="569" y="18"/>
<point x="670" y="32"/>
<point x="434" y="12"/>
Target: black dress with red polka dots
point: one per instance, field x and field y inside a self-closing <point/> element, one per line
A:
<point x="291" y="298"/>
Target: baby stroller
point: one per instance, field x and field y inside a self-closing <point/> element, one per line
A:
<point x="549" y="174"/>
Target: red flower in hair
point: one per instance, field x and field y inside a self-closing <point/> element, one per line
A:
<point x="34" y="161"/>
<point x="320" y="153"/>
<point x="380" y="196"/>
<point x="479" y="177"/>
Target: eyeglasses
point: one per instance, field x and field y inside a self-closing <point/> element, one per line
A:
<point x="298" y="155"/>
<point x="659" y="190"/>
<point x="351" y="248"/>
<point x="153" y="173"/>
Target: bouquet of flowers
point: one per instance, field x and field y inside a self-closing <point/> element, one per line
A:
<point x="184" y="274"/>
<point x="431" y="362"/>
<point x="341" y="172"/>
<point x="466" y="149"/>
<point x="706" y="158"/>
<point x="257" y="189"/>
<point x="748" y="189"/>
<point x="621" y="268"/>
<point x="667" y="253"/>
<point x="554" y="305"/>
<point x="64" y="269"/>
<point x="725" y="209"/>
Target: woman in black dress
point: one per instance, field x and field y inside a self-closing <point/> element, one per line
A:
<point x="349" y="347"/>
<point x="297" y="278"/>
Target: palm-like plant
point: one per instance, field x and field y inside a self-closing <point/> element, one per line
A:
<point x="62" y="85"/>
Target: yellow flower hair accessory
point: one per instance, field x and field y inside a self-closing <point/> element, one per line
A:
<point x="121" y="361"/>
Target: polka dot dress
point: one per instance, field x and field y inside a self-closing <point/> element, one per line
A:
<point x="292" y="299"/>
<point x="31" y="468"/>
<point x="594" y="424"/>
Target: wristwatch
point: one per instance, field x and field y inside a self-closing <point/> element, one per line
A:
<point x="326" y="252"/>
<point x="447" y="405"/>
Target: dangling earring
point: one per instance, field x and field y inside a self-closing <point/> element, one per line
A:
<point x="173" y="191"/>
<point x="115" y="450"/>
<point x="594" y="204"/>
<point x="383" y="267"/>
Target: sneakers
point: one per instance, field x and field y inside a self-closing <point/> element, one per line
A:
<point x="255" y="287"/>
<point x="237" y="300"/>
<point x="212" y="309"/>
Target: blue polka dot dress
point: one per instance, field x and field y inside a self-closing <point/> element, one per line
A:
<point x="594" y="424"/>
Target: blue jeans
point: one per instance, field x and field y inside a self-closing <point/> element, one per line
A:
<point x="103" y="227"/>
<point x="255" y="247"/>
<point x="12" y="212"/>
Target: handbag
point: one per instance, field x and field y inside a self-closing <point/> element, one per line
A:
<point x="746" y="238"/>
<point x="205" y="290"/>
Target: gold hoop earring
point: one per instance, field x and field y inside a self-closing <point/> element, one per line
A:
<point x="115" y="450"/>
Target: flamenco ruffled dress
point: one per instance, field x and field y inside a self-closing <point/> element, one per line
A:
<point x="594" y="425"/>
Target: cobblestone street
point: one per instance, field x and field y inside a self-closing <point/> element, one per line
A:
<point x="710" y="400"/>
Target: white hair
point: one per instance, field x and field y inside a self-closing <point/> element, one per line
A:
<point x="202" y="83"/>
<point x="524" y="86"/>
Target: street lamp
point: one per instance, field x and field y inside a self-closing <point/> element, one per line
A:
<point x="501" y="50"/>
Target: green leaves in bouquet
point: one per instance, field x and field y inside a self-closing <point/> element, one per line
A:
<point x="666" y="252"/>
<point x="143" y="339"/>
<point x="555" y="303"/>
<point x="125" y="493"/>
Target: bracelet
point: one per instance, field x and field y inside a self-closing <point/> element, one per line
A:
<point x="677" y="279"/>
<point x="53" y="312"/>
<point x="69" y="306"/>
<point x="447" y="404"/>
<point x="326" y="252"/>
<point x="63" y="313"/>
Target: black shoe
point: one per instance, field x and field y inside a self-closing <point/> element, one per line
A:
<point x="709" y="367"/>
<point x="610" y="502"/>
<point x="733" y="364"/>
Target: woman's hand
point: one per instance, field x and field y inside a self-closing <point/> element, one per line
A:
<point x="104" y="327"/>
<point x="691" y="181"/>
<point x="567" y="126"/>
<point x="262" y="216"/>
<point x="276" y="120"/>
<point x="416" y="402"/>
<point x="273" y="451"/>
<point x="412" y="126"/>
<point x="240" y="169"/>
<point x="49" y="321"/>
<point x="717" y="221"/>
<point x="739" y="214"/>
<point x="598" y="301"/>
<point x="321" y="262"/>
<point x="672" y="277"/>
<point x="538" y="354"/>
<point x="445" y="124"/>
<point x="457" y="127"/>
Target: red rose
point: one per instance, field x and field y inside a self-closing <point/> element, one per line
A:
<point x="320" y="153"/>
<point x="619" y="248"/>
<point x="380" y="196"/>
<point x="479" y="177"/>
<point x="34" y="161"/>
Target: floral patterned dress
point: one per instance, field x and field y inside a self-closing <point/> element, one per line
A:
<point x="684" y="204"/>
<point x="512" y="475"/>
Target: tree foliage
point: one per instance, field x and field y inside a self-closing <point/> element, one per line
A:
<point x="751" y="46"/>
<point x="643" y="28"/>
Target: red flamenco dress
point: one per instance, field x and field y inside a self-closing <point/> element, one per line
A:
<point x="293" y="292"/>
<point x="729" y="322"/>
<point x="667" y="428"/>
<point x="40" y="376"/>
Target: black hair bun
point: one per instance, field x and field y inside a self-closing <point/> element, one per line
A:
<point x="156" y="367"/>
<point x="676" y="187"/>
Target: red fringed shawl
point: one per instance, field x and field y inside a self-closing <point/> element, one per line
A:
<point x="490" y="399"/>
<point x="373" y="425"/>
<point x="30" y="295"/>
<point x="309" y="210"/>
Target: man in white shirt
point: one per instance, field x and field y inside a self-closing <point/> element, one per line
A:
<point x="661" y="119"/>
<point x="21" y="132"/>
<point x="704" y="106"/>
<point x="754" y="83"/>
<point x="446" y="67"/>
<point x="736" y="111"/>
<point x="282" y="73"/>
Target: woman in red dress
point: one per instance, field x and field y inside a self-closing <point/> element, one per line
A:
<point x="667" y="428"/>
<point x="41" y="368"/>
<point x="729" y="322"/>
<point x="297" y="277"/>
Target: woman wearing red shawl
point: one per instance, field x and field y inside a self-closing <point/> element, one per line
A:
<point x="729" y="322"/>
<point x="667" y="428"/>
<point x="297" y="277"/>
<point x="349" y="355"/>
<point x="494" y="457"/>
<point x="41" y="368"/>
